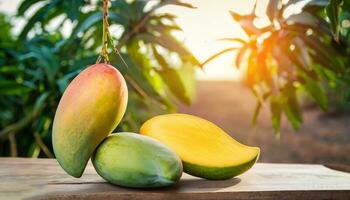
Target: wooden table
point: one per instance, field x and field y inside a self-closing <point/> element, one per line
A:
<point x="24" y="178"/>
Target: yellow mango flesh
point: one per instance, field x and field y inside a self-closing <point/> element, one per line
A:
<point x="204" y="148"/>
<point x="90" y="109"/>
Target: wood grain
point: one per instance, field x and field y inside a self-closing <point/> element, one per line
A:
<point x="24" y="178"/>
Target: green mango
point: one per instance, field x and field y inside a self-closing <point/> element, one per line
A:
<point x="137" y="161"/>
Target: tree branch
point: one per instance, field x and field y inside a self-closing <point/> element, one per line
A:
<point x="42" y="145"/>
<point x="13" y="145"/>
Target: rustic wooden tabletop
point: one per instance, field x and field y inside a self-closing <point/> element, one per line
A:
<point x="24" y="178"/>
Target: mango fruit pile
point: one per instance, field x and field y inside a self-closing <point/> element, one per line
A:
<point x="92" y="107"/>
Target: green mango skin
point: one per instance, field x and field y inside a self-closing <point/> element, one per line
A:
<point x="137" y="161"/>
<point x="218" y="173"/>
<point x="90" y="109"/>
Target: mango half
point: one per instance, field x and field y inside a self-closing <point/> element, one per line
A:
<point x="90" y="109"/>
<point x="134" y="160"/>
<point x="205" y="149"/>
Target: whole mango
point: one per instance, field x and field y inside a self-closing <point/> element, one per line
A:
<point x="134" y="160"/>
<point x="90" y="109"/>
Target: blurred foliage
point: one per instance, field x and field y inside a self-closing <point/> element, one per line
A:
<point x="338" y="13"/>
<point x="295" y="52"/>
<point x="37" y="64"/>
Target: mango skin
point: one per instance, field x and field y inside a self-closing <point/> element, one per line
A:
<point x="91" y="108"/>
<point x="137" y="161"/>
<point x="218" y="173"/>
<point x="204" y="148"/>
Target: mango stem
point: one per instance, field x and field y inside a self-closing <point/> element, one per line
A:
<point x="104" y="52"/>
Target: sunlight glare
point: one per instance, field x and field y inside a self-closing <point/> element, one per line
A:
<point x="209" y="22"/>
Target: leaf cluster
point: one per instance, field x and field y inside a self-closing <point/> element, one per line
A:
<point x="38" y="64"/>
<point x="295" y="53"/>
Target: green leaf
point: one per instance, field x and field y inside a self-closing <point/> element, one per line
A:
<point x="40" y="103"/>
<point x="23" y="122"/>
<point x="300" y="56"/>
<point x="138" y="80"/>
<point x="316" y="92"/>
<point x="160" y="59"/>
<point x="72" y="8"/>
<point x="169" y="42"/>
<point x="276" y="112"/>
<point x="40" y="15"/>
<point x="51" y="16"/>
<point x="46" y="60"/>
<point x="217" y="55"/>
<point x="180" y="82"/>
<point x="92" y="19"/>
<point x="11" y="70"/>
<point x="333" y="12"/>
<point x="33" y="151"/>
<point x="291" y="107"/>
<point x="13" y="88"/>
<point x="26" y="5"/>
<point x="323" y="53"/>
<point x="256" y="112"/>
<point x="138" y="8"/>
<point x="346" y="6"/>
<point x="161" y="28"/>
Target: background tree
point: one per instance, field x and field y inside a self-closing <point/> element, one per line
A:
<point x="295" y="53"/>
<point x="37" y="64"/>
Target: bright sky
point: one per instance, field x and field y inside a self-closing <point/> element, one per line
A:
<point x="202" y="28"/>
<point x="208" y="23"/>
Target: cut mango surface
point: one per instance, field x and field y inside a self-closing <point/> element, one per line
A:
<point x="205" y="149"/>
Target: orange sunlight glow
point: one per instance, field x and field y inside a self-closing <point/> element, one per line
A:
<point x="209" y="22"/>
